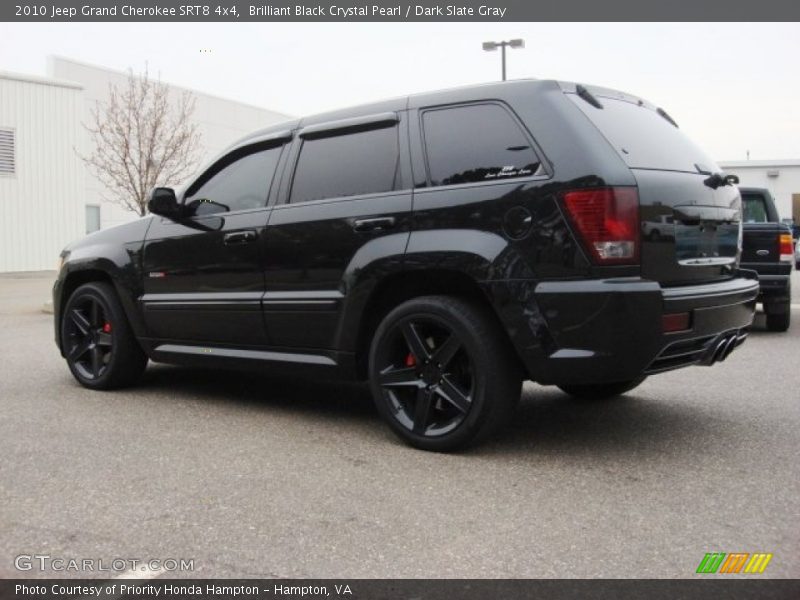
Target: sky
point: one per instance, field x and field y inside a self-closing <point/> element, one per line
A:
<point x="732" y="87"/>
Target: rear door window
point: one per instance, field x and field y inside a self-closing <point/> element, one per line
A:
<point x="643" y="138"/>
<point x="476" y="143"/>
<point x="350" y="164"/>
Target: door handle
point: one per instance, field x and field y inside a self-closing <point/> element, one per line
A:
<point x="378" y="224"/>
<point x="240" y="237"/>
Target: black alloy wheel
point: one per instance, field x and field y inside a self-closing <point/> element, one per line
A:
<point x="97" y="341"/>
<point x="427" y="376"/>
<point x="441" y="374"/>
<point x="88" y="342"/>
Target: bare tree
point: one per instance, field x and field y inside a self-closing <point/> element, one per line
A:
<point x="142" y="136"/>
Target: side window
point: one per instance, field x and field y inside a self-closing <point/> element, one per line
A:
<point x="480" y="142"/>
<point x="364" y="162"/>
<point x="243" y="183"/>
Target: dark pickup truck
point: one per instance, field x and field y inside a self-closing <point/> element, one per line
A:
<point x="767" y="249"/>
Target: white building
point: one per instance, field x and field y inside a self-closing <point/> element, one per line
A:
<point x="780" y="177"/>
<point x="48" y="197"/>
<point x="41" y="177"/>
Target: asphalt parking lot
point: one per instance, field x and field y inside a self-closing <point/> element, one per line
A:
<point x="253" y="476"/>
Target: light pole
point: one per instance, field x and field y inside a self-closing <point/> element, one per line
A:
<point x="492" y="46"/>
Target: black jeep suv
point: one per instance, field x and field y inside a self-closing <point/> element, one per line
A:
<point x="445" y="246"/>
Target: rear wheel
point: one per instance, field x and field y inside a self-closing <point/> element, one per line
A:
<point x="441" y="374"/>
<point x="779" y="321"/>
<point x="97" y="341"/>
<point x="601" y="391"/>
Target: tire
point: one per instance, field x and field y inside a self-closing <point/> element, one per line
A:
<point x="442" y="374"/>
<point x="601" y="391"/>
<point x="778" y="321"/>
<point x="100" y="348"/>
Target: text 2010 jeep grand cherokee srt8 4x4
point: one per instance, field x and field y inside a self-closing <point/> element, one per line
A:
<point x="446" y="246"/>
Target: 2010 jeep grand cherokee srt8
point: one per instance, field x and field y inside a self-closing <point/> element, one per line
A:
<point x="446" y="246"/>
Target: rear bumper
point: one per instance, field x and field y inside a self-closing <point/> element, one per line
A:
<point x="611" y="330"/>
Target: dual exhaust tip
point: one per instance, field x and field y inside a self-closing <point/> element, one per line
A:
<point x="725" y="346"/>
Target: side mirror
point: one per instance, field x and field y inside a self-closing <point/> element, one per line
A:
<point x="164" y="203"/>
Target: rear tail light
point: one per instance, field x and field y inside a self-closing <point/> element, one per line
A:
<point x="786" y="247"/>
<point x="607" y="220"/>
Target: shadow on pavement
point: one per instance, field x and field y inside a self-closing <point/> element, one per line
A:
<point x="646" y="423"/>
<point x="546" y="422"/>
<point x="228" y="386"/>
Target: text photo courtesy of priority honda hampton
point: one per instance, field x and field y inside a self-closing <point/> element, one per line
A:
<point x="445" y="246"/>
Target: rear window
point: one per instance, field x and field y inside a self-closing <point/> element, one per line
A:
<point x="754" y="208"/>
<point x="643" y="138"/>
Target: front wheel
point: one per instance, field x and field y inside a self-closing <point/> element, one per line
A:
<point x="97" y="341"/>
<point x="441" y="373"/>
<point x="601" y="391"/>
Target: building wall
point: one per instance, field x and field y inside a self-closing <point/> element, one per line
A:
<point x="41" y="203"/>
<point x="220" y="121"/>
<point x="781" y="178"/>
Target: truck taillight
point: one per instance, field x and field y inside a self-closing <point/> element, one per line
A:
<point x="786" y="247"/>
<point x="607" y="220"/>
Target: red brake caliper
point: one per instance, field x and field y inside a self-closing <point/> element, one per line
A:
<point x="410" y="360"/>
<point x="106" y="327"/>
